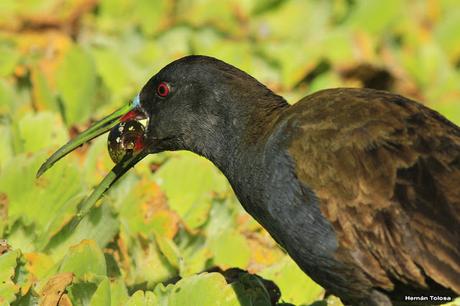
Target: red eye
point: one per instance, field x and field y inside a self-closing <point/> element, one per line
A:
<point x="163" y="89"/>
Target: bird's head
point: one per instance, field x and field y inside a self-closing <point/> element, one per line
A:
<point x="200" y="103"/>
<point x="196" y="103"/>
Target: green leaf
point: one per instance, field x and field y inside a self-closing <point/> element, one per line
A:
<point x="99" y="225"/>
<point x="230" y="250"/>
<point x="175" y="42"/>
<point x="84" y="258"/>
<point x="8" y="289"/>
<point x="81" y="292"/>
<point x="102" y="296"/>
<point x="169" y="250"/>
<point x="195" y="253"/>
<point x="76" y="83"/>
<point x="149" y="264"/>
<point x="151" y="15"/>
<point x="199" y="13"/>
<point x="375" y="16"/>
<point x="296" y="287"/>
<point x="113" y="66"/>
<point x="118" y="292"/>
<point x="294" y="58"/>
<point x="141" y="298"/>
<point x="8" y="60"/>
<point x="207" y="289"/>
<point x="40" y="265"/>
<point x="46" y="203"/>
<point x="143" y="207"/>
<point x="188" y="180"/>
<point x="43" y="94"/>
<point x="6" y="143"/>
<point x="294" y="20"/>
<point x="447" y="32"/>
<point x="41" y="130"/>
<point x="8" y="98"/>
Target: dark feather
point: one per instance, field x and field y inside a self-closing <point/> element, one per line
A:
<point x="386" y="171"/>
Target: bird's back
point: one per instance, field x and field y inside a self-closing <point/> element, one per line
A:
<point x="386" y="172"/>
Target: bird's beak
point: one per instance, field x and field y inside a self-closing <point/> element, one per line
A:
<point x="130" y="111"/>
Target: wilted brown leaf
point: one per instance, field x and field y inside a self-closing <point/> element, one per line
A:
<point x="55" y="288"/>
<point x="4" y="246"/>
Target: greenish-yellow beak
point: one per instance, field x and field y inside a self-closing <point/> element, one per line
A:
<point x="128" y="112"/>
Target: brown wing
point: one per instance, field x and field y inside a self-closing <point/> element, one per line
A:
<point x="386" y="171"/>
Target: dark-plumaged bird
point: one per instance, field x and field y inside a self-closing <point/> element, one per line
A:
<point x="360" y="187"/>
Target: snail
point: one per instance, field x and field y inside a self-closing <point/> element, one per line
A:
<point x="125" y="138"/>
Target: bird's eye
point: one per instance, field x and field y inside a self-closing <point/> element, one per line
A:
<point x="163" y="89"/>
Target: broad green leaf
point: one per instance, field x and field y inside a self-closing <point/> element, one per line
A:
<point x="448" y="31"/>
<point x="143" y="208"/>
<point x="22" y="237"/>
<point x="137" y="299"/>
<point x="338" y="46"/>
<point x="41" y="130"/>
<point x="76" y="83"/>
<point x="152" y="15"/>
<point x="194" y="251"/>
<point x="102" y="296"/>
<point x="84" y="258"/>
<point x="29" y="299"/>
<point x="97" y="162"/>
<point x="40" y="265"/>
<point x="112" y="66"/>
<point x="47" y="203"/>
<point x="8" y="60"/>
<point x="230" y="250"/>
<point x="222" y="218"/>
<point x="81" y="292"/>
<point x="294" y="20"/>
<point x="169" y="250"/>
<point x="141" y="298"/>
<point x="6" y="143"/>
<point x="175" y="43"/>
<point x="239" y="53"/>
<point x="118" y="292"/>
<point x="8" y="289"/>
<point x="149" y="264"/>
<point x="375" y="16"/>
<point x="99" y="225"/>
<point x="199" y="13"/>
<point x="207" y="289"/>
<point x="187" y="180"/>
<point x="43" y="94"/>
<point x="324" y="81"/>
<point x="295" y="59"/>
<point x="296" y="287"/>
<point x="8" y="97"/>
<point x="7" y="9"/>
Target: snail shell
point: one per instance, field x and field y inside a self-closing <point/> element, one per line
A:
<point x="125" y="138"/>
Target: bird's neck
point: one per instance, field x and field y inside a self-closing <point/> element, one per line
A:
<point x="242" y="135"/>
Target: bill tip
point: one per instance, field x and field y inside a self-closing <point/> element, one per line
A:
<point x="41" y="170"/>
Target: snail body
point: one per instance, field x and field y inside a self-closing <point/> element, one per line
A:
<point x="125" y="138"/>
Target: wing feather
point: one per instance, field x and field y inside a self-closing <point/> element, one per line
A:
<point x="387" y="175"/>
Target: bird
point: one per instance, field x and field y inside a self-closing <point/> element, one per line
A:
<point x="360" y="187"/>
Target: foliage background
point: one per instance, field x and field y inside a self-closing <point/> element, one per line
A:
<point x="65" y="63"/>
